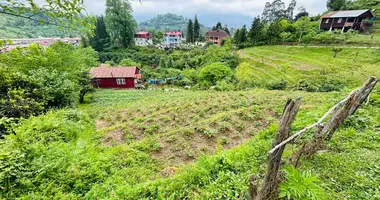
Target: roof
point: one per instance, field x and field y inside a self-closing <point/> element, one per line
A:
<point x="142" y="33"/>
<point x="113" y="72"/>
<point x="345" y="13"/>
<point x="217" y="33"/>
<point x="173" y="33"/>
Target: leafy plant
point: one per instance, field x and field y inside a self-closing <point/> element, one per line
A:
<point x="300" y="185"/>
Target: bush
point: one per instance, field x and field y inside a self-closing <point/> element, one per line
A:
<point x="223" y="85"/>
<point x="211" y="74"/>
<point x="322" y="84"/>
<point x="277" y="85"/>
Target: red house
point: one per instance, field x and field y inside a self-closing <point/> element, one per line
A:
<point x="115" y="77"/>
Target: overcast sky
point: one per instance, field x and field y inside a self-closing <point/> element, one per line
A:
<point x="231" y="12"/>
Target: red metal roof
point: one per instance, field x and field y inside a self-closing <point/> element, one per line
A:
<point x="174" y="33"/>
<point x="345" y="13"/>
<point x="217" y="33"/>
<point x="113" y="72"/>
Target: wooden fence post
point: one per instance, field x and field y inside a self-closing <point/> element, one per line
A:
<point x="270" y="187"/>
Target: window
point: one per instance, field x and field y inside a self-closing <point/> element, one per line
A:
<point x="327" y="21"/>
<point x="340" y="20"/>
<point x="120" y="81"/>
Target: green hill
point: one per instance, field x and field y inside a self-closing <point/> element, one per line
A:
<point x="14" y="27"/>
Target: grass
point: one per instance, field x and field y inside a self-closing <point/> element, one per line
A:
<point x="213" y="148"/>
<point x="293" y="64"/>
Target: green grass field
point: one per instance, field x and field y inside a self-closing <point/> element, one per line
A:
<point x="293" y="64"/>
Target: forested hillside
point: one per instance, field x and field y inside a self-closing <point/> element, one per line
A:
<point x="12" y="27"/>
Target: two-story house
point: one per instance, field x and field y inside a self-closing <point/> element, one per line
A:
<point x="173" y="39"/>
<point x="143" y="39"/>
<point x="216" y="37"/>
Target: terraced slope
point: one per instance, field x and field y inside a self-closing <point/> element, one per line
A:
<point x="293" y="64"/>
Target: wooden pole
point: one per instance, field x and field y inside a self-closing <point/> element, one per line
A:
<point x="272" y="179"/>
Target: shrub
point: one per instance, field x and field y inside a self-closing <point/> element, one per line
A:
<point x="213" y="73"/>
<point x="223" y="85"/>
<point x="300" y="185"/>
<point x="277" y="85"/>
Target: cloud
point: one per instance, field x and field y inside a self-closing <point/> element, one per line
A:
<point x="225" y="9"/>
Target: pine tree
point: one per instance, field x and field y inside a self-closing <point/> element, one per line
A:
<point x="170" y="63"/>
<point x="256" y="31"/>
<point x="101" y="39"/>
<point x="217" y="27"/>
<point x="197" y="29"/>
<point x="243" y="35"/>
<point x="190" y="32"/>
<point x="226" y="29"/>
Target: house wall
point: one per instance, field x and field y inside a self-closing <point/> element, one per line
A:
<point x="111" y="83"/>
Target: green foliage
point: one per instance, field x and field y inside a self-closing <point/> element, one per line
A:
<point x="277" y="85"/>
<point x="300" y="185"/>
<point x="100" y="39"/>
<point x="337" y="4"/>
<point x="211" y="74"/>
<point x="197" y="30"/>
<point x="66" y="14"/>
<point x="121" y="26"/>
<point x="224" y="85"/>
<point x="190" y="32"/>
<point x="128" y="62"/>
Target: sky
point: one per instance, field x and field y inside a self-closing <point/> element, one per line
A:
<point x="234" y="13"/>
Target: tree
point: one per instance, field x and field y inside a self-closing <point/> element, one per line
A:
<point x="290" y="11"/>
<point x="302" y="13"/>
<point x="100" y="40"/>
<point x="218" y="26"/>
<point x="163" y="62"/>
<point x="337" y="4"/>
<point x="190" y="32"/>
<point x="65" y="14"/>
<point x="226" y="29"/>
<point x="120" y="24"/>
<point x="85" y="82"/>
<point x="274" y="11"/>
<point x="255" y="32"/>
<point x="274" y="32"/>
<point x="303" y="27"/>
<point x="170" y="63"/>
<point x="197" y="29"/>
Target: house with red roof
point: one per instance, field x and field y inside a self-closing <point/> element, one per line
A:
<point x="115" y="77"/>
<point x="216" y="36"/>
<point x="347" y="19"/>
<point x="173" y="39"/>
<point x="143" y="39"/>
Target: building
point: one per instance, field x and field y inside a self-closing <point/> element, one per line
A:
<point x="347" y="19"/>
<point x="216" y="37"/>
<point x="143" y="39"/>
<point x="173" y="39"/>
<point x="115" y="77"/>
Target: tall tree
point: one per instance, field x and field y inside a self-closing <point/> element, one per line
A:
<point x="290" y="11"/>
<point x="302" y="13"/>
<point x="256" y="32"/>
<point x="337" y="4"/>
<point x="197" y="29"/>
<point x="274" y="11"/>
<point x="243" y="34"/>
<point x="190" y="32"/>
<point x="120" y="24"/>
<point x="218" y="26"/>
<point x="100" y="40"/>
<point x="226" y="29"/>
<point x="274" y="32"/>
